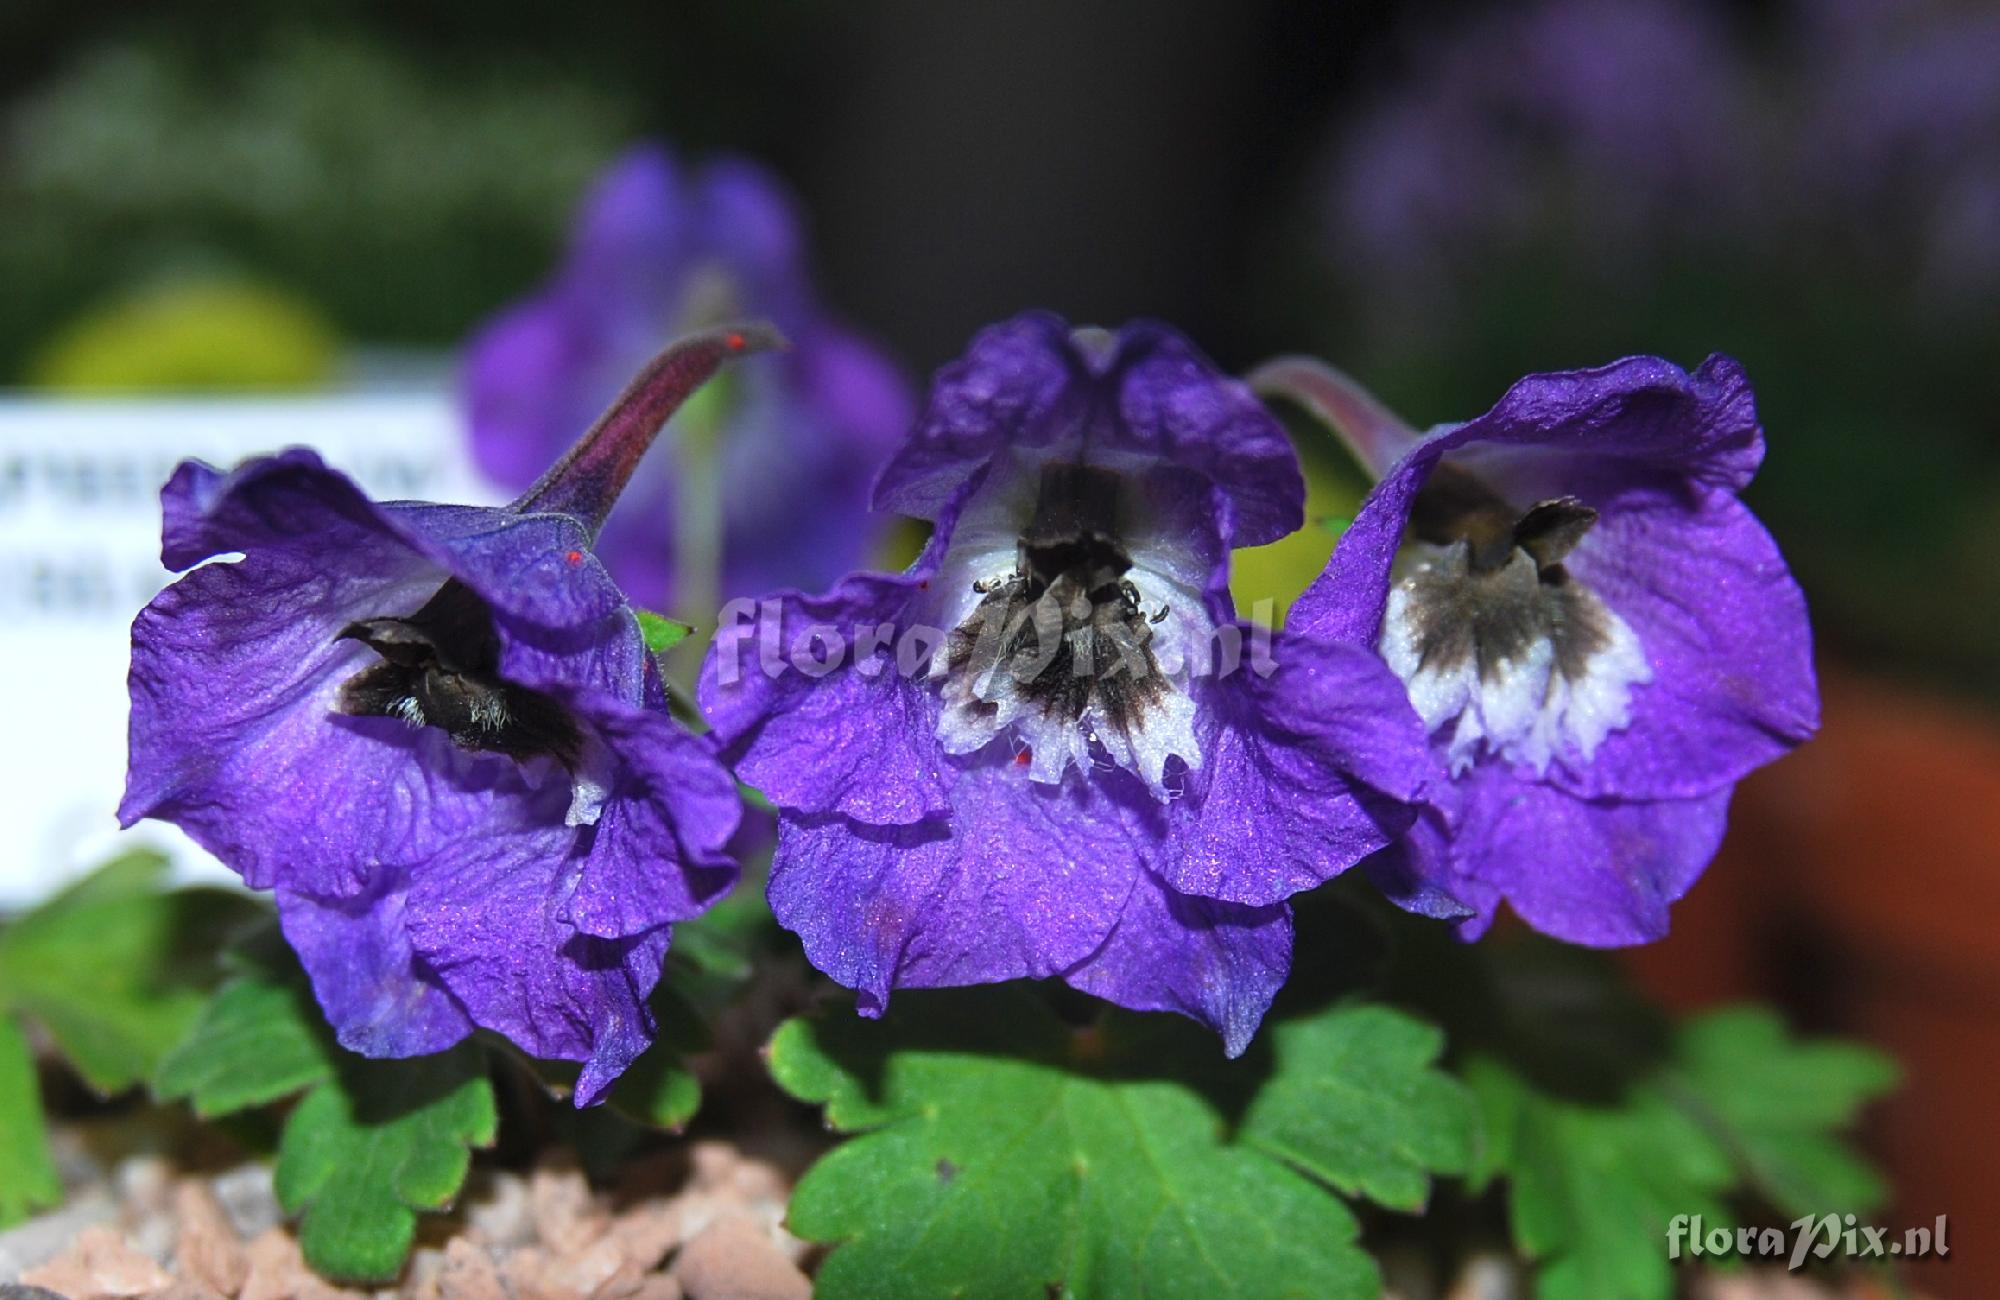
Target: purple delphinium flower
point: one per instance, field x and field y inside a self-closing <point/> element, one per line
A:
<point x="1036" y="761"/>
<point x="777" y="458"/>
<point x="1601" y="639"/>
<point x="435" y="732"/>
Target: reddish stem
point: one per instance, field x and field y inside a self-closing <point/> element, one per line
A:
<point x="587" y="480"/>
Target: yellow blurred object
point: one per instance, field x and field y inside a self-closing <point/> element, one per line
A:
<point x="1265" y="580"/>
<point x="207" y="334"/>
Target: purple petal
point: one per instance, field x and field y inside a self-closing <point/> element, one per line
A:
<point x="1173" y="404"/>
<point x="659" y="851"/>
<point x="858" y="741"/>
<point x="632" y="240"/>
<point x="1024" y="882"/>
<point x="1301" y="778"/>
<point x="517" y="379"/>
<point x="1033" y="383"/>
<point x="1597" y="872"/>
<point x="486" y="915"/>
<point x="751" y="222"/>
<point x="651" y="246"/>
<point x="1724" y="628"/>
<point x="1217" y="963"/>
<point x="377" y="994"/>
<point x="1005" y="389"/>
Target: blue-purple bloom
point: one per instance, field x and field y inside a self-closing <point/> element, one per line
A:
<point x="435" y="732"/>
<point x="782" y="449"/>
<point x="1028" y="756"/>
<point x="1600" y="638"/>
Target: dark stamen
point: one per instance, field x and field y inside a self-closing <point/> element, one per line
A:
<point x="1513" y="589"/>
<point x="1068" y="626"/>
<point x="440" y="668"/>
<point x="1551" y="529"/>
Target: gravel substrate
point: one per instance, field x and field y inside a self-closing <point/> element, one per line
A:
<point x="703" y="1223"/>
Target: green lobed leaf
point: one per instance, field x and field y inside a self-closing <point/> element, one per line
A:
<point x="1776" y="1105"/>
<point x="1593" y="1186"/>
<point x="1002" y="1154"/>
<point x="1592" y="1189"/>
<point x="259" y="1038"/>
<point x="1355" y="1101"/>
<point x="660" y="632"/>
<point x="116" y="968"/>
<point x="374" y="1143"/>
<point x="28" y="1178"/>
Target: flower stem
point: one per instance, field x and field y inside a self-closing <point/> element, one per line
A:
<point x="586" y="482"/>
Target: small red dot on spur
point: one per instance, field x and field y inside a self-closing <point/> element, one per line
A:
<point x="1023" y="758"/>
<point x="574" y="557"/>
<point x="735" y="342"/>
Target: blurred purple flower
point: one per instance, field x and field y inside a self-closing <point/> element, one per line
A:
<point x="1610" y="134"/>
<point x="1061" y="783"/>
<point x="1599" y="637"/>
<point x="1902" y="104"/>
<point x="657" y="251"/>
<point x="1603" y="125"/>
<point x="436" y="733"/>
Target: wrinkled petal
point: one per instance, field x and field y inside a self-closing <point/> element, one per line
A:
<point x="380" y="998"/>
<point x="486" y="915"/>
<point x="1004" y="390"/>
<point x="1024" y="882"/>
<point x="1309" y="770"/>
<point x="1724" y="627"/>
<point x="659" y="851"/>
<point x="1597" y="872"/>
<point x="537" y="568"/>
<point x="1218" y="963"/>
<point x="428" y="888"/>
<point x="1145" y="393"/>
<point x="1175" y="405"/>
<point x="858" y="741"/>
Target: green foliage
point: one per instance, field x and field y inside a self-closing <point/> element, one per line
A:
<point x="1354" y="1102"/>
<point x="1002" y="1153"/>
<point x="1736" y="1106"/>
<point x="1776" y="1105"/>
<point x="113" y="968"/>
<point x="661" y="633"/>
<point x="372" y="1145"/>
<point x="28" y="1180"/>
<point x="371" y="1142"/>
<point x="116" y="967"/>
<point x="260" y="1038"/>
<point x="1591" y="1189"/>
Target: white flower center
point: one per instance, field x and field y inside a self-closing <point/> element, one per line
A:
<point x="1064" y="639"/>
<point x="1524" y="664"/>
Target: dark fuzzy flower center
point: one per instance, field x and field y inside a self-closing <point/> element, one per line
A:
<point x="1510" y="590"/>
<point x="1067" y="625"/>
<point x="440" y="668"/>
